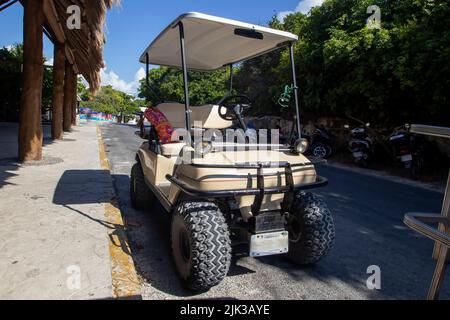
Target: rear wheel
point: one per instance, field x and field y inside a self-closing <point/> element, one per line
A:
<point x="141" y="195"/>
<point x="311" y="229"/>
<point x="201" y="245"/>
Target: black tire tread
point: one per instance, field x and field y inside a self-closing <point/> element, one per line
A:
<point x="318" y="232"/>
<point x="210" y="241"/>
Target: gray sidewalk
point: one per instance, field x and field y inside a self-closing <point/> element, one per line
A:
<point x="53" y="235"/>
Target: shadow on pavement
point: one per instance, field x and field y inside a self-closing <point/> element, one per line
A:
<point x="78" y="187"/>
<point x="83" y="187"/>
<point x="9" y="149"/>
<point x="7" y="168"/>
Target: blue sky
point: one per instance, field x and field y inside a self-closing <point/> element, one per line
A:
<point x="131" y="27"/>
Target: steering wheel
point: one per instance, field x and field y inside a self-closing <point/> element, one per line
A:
<point x="231" y="107"/>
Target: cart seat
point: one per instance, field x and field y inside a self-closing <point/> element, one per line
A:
<point x="172" y="149"/>
<point x="208" y="115"/>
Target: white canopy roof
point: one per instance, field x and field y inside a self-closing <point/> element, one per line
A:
<point x="213" y="42"/>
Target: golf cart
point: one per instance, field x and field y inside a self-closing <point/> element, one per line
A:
<point x="221" y="194"/>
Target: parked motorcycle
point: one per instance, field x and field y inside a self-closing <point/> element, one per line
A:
<point x="320" y="143"/>
<point x="361" y="145"/>
<point x="408" y="149"/>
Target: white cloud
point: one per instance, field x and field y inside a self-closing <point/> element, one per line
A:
<point x="283" y="14"/>
<point x="304" y="6"/>
<point x="110" y="78"/>
<point x="49" y="62"/>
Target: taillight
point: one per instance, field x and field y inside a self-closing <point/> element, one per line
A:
<point x="404" y="152"/>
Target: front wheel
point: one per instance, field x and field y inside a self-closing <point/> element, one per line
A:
<point x="311" y="229"/>
<point x="201" y="245"/>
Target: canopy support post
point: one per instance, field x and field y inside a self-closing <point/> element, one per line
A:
<point x="58" y="92"/>
<point x="30" y="126"/>
<point x="294" y="80"/>
<point x="231" y="78"/>
<point x="147" y="69"/>
<point x="185" y="80"/>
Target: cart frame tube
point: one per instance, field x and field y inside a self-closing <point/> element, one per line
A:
<point x="230" y="84"/>
<point x="185" y="80"/>
<point x="147" y="69"/>
<point x="294" y="80"/>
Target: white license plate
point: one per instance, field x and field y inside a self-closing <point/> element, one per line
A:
<point x="407" y="158"/>
<point x="269" y="244"/>
<point x="358" y="155"/>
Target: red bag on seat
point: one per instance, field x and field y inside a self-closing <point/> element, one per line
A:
<point x="160" y="123"/>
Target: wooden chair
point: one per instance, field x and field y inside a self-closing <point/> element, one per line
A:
<point x="423" y="223"/>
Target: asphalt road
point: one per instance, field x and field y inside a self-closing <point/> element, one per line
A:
<point x="368" y="213"/>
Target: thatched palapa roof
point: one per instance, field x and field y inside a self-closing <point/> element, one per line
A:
<point x="84" y="47"/>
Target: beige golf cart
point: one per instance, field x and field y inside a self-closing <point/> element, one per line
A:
<point x="222" y="193"/>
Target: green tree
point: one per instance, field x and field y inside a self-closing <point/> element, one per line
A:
<point x="111" y="101"/>
<point x="11" y="60"/>
<point x="11" y="82"/>
<point x="166" y="84"/>
<point x="391" y="76"/>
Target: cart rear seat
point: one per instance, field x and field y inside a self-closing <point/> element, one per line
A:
<point x="208" y="115"/>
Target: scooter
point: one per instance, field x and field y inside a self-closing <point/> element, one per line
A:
<point x="400" y="141"/>
<point x="408" y="149"/>
<point x="360" y="145"/>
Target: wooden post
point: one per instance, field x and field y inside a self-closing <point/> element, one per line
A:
<point x="68" y="97"/>
<point x="446" y="213"/>
<point x="58" y="92"/>
<point x="30" y="126"/>
<point x="439" y="274"/>
<point x="75" y="102"/>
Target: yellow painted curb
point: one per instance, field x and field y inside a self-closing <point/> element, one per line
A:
<point x="125" y="281"/>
